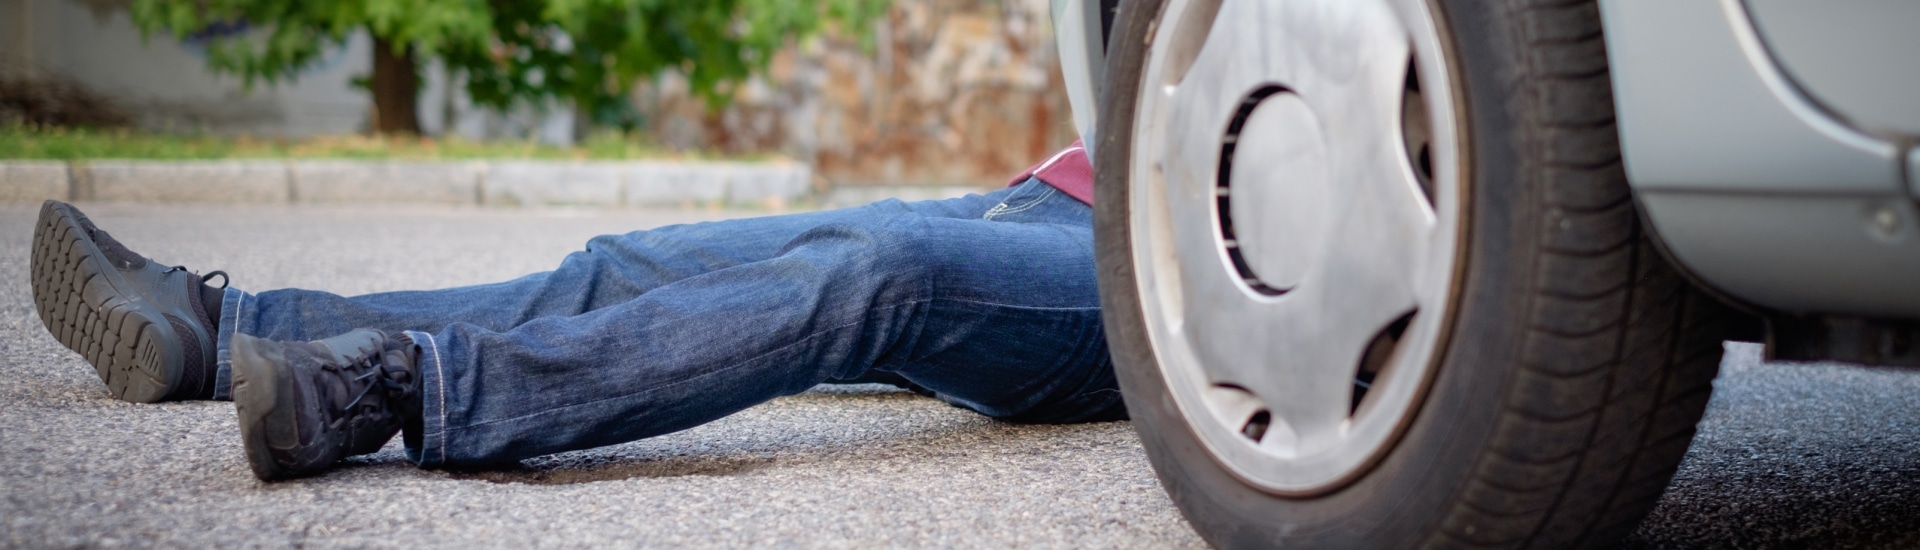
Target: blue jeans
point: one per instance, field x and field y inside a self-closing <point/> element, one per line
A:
<point x="988" y="300"/>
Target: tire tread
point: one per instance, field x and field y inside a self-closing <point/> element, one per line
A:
<point x="1619" y="354"/>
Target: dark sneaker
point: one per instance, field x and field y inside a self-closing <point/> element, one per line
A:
<point x="305" y="405"/>
<point x="144" y="326"/>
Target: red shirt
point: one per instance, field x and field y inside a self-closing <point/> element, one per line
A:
<point x="1068" y="170"/>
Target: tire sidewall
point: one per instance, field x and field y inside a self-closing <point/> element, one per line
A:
<point x="1406" y="496"/>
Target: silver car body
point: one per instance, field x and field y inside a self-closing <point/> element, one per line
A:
<point x="1080" y="32"/>
<point x="1770" y="143"/>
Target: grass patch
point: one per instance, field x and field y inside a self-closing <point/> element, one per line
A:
<point x="21" y="142"/>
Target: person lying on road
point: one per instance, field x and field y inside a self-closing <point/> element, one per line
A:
<point x="987" y="301"/>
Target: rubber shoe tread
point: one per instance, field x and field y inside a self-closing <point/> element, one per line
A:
<point x="131" y="334"/>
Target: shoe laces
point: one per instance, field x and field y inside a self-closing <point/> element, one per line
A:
<point x="224" y="280"/>
<point x="394" y="384"/>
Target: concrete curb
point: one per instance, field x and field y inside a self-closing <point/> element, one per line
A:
<point x="231" y="182"/>
<point x="345" y="181"/>
<point x="33" y="181"/>
<point x="485" y="183"/>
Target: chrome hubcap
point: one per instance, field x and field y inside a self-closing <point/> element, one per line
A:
<point x="1295" y="215"/>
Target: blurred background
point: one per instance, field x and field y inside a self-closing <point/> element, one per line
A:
<point x="864" y="92"/>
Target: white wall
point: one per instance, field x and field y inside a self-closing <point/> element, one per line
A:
<point x="166" y="85"/>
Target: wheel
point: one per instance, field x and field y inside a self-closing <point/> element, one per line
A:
<point x="1373" y="278"/>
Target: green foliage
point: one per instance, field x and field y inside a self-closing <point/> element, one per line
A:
<point x="589" y="51"/>
<point x="291" y="34"/>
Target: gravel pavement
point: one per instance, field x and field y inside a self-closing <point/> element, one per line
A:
<point x="1797" y="456"/>
<point x="1789" y="455"/>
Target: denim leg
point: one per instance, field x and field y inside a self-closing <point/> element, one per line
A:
<point x="1002" y="318"/>
<point x="611" y="270"/>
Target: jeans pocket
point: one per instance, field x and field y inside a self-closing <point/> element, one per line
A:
<point x="1030" y="195"/>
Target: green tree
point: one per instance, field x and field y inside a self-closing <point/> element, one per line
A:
<point x="590" y="52"/>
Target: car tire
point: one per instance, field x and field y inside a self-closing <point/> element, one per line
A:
<point x="1569" y="369"/>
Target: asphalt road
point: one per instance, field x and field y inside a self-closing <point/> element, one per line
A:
<point x="1788" y="455"/>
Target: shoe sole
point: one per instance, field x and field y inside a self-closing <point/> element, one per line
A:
<point x="86" y="306"/>
<point x="258" y="393"/>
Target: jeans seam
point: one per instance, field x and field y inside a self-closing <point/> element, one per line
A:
<point x="439" y="374"/>
<point x="997" y="211"/>
<point x="239" y="307"/>
<point x="997" y="304"/>
<point x="816" y="334"/>
<point x="223" y="357"/>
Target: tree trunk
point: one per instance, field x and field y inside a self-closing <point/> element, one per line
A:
<point x="396" y="90"/>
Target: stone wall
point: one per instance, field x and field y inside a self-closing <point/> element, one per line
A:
<point x="947" y="92"/>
